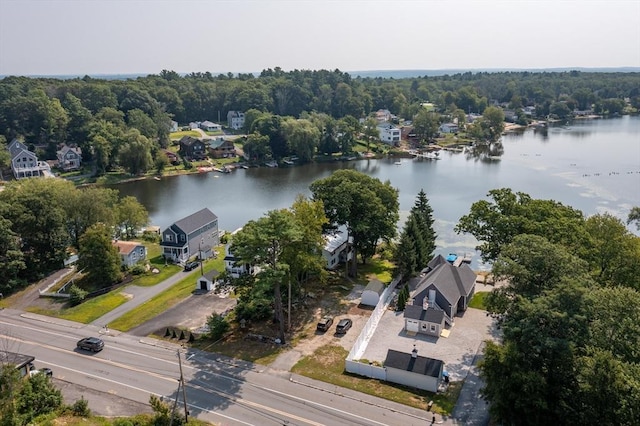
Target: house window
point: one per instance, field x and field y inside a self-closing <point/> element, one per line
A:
<point x="433" y="328"/>
<point x="168" y="238"/>
<point x="182" y="238"/>
<point x="424" y="326"/>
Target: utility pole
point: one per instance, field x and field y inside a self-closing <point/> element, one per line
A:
<point x="289" y="310"/>
<point x="200" y="256"/>
<point x="184" y="391"/>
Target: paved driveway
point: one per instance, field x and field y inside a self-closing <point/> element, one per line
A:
<point x="457" y="351"/>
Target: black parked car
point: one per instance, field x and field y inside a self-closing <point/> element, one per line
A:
<point x="343" y="326"/>
<point x="92" y="344"/>
<point x="325" y="323"/>
<point x="191" y="265"/>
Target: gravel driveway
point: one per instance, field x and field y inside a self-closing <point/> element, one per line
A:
<point x="190" y="314"/>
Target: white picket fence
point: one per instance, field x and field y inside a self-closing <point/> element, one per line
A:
<point x="360" y="345"/>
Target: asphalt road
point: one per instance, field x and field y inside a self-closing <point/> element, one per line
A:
<point x="219" y="390"/>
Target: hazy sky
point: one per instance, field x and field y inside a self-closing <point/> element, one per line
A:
<point x="56" y="37"/>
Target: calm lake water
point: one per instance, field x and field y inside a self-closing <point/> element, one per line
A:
<point x="591" y="165"/>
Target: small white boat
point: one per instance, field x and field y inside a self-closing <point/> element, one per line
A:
<point x="398" y="163"/>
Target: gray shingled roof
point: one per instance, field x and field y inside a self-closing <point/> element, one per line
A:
<point x="188" y="140"/>
<point x="196" y="220"/>
<point x="430" y="315"/>
<point x="375" y="285"/>
<point x="212" y="275"/>
<point x="419" y="365"/>
<point x="450" y="281"/>
<point x="16" y="147"/>
<point x="19" y="360"/>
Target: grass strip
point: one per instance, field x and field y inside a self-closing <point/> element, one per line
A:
<point x="477" y="301"/>
<point x="87" y="311"/>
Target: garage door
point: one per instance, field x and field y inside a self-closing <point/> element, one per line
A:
<point x="411" y="325"/>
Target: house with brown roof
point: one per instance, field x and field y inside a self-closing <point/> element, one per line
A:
<point x="131" y="252"/>
<point x="221" y="148"/>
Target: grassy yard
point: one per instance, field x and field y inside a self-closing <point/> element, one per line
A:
<point x="88" y="311"/>
<point x="179" y="135"/>
<point x="477" y="301"/>
<point x="327" y="365"/>
<point x="380" y="268"/>
<point x="154" y="253"/>
<point x="236" y="346"/>
<point x="165" y="300"/>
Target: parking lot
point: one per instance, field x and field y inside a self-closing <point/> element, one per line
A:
<point x="456" y="351"/>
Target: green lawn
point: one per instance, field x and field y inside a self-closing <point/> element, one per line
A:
<point x="154" y="253"/>
<point x="181" y="134"/>
<point x="88" y="311"/>
<point x="381" y="268"/>
<point x="327" y="364"/>
<point x="477" y="301"/>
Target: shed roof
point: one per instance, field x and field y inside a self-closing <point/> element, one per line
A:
<point x="419" y="364"/>
<point x="126" y="247"/>
<point x="19" y="360"/>
<point x="211" y="275"/>
<point x="375" y="285"/>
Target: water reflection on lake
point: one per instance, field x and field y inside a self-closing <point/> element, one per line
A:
<point x="593" y="165"/>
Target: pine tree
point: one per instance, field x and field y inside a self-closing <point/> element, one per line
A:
<point x="424" y="218"/>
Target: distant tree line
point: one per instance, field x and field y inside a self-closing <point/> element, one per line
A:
<point x="126" y="123"/>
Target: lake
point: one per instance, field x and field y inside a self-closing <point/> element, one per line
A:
<point x="591" y="165"/>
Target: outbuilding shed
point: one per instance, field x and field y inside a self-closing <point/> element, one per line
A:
<point x="372" y="292"/>
<point x="412" y="370"/>
<point x="207" y="282"/>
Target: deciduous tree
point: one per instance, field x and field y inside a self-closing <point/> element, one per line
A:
<point x="368" y="207"/>
<point x="263" y="242"/>
<point x="98" y="257"/>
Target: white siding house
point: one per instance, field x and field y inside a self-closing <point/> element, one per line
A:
<point x="235" y="120"/>
<point x="208" y="126"/>
<point x="448" y="128"/>
<point x="389" y="134"/>
<point x="208" y="281"/>
<point x="24" y="163"/>
<point x="409" y="369"/>
<point x="371" y="294"/>
<point x="336" y="249"/>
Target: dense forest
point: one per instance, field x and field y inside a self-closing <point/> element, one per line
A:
<point x="122" y="122"/>
<point x="568" y="314"/>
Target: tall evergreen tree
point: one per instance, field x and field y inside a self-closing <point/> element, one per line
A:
<point x="424" y="216"/>
<point x="418" y="239"/>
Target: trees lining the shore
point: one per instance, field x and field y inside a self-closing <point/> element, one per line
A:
<point x="98" y="115"/>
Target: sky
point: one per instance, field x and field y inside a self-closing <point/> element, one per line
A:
<point x="96" y="37"/>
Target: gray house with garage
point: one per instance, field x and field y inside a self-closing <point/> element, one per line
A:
<point x="194" y="235"/>
<point x="442" y="287"/>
